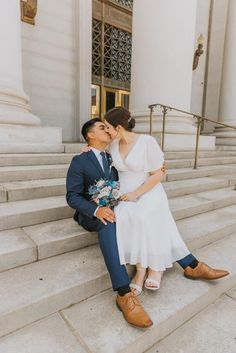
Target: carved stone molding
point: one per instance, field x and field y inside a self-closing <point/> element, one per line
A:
<point x="28" y="11"/>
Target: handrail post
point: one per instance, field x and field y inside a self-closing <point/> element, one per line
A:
<point x="164" y="111"/>
<point x="151" y="111"/>
<point x="199" y="123"/>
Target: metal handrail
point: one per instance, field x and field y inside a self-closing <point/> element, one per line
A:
<point x="200" y="120"/>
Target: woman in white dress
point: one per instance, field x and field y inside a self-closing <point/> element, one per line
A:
<point x="147" y="235"/>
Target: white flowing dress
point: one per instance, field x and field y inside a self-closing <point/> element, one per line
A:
<point x="146" y="230"/>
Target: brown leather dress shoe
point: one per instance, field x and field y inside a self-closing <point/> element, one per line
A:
<point x="203" y="271"/>
<point x="133" y="311"/>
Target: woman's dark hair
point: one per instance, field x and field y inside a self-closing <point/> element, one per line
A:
<point x="88" y="127"/>
<point x="120" y="116"/>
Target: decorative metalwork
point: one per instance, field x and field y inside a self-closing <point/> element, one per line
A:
<point x="28" y="11"/>
<point x="97" y="48"/>
<point x="117" y="53"/>
<point x="126" y="3"/>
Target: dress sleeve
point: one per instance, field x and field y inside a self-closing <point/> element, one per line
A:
<point x="154" y="157"/>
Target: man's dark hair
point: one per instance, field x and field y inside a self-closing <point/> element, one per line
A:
<point x="88" y="126"/>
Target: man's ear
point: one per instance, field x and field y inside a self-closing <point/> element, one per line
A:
<point x="90" y="136"/>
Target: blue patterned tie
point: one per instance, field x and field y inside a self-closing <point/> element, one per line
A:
<point x="105" y="165"/>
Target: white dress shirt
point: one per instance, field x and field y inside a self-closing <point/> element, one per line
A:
<point x="98" y="155"/>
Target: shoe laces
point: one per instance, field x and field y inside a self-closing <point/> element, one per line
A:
<point x="132" y="301"/>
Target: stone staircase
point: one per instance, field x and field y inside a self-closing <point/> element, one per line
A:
<point x="55" y="290"/>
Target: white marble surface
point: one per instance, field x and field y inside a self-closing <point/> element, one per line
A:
<point x="50" y="335"/>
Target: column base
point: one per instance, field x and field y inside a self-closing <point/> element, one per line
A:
<point x="30" y="139"/>
<point x="184" y="142"/>
<point x="180" y="132"/>
<point x="15" y="108"/>
<point x="225" y="136"/>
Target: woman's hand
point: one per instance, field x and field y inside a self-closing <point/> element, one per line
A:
<point x="85" y="148"/>
<point x="130" y="196"/>
<point x="163" y="169"/>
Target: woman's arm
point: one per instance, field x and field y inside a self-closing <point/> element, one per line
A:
<point x="154" y="179"/>
<point x="86" y="148"/>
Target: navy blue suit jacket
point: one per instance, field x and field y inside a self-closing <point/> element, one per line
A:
<point x="84" y="171"/>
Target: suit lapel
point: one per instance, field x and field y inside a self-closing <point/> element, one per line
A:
<point x="94" y="159"/>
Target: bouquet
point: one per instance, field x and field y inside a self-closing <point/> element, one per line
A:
<point x="105" y="193"/>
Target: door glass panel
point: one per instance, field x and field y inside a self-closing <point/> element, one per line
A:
<point x="95" y="101"/>
<point x="125" y="100"/>
<point x="110" y="100"/>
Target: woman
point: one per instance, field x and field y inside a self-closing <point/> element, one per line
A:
<point x="147" y="235"/>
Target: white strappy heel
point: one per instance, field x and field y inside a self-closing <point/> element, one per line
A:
<point x="153" y="284"/>
<point x="137" y="288"/>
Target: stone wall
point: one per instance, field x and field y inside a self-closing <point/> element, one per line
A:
<point x="49" y="64"/>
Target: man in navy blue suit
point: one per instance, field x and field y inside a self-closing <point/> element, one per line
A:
<point x="84" y="170"/>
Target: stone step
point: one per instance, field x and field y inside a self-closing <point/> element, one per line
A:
<point x="29" y="159"/>
<point x="28" y="212"/>
<point x="3" y="194"/>
<point x="201" y="154"/>
<point x="227" y="141"/>
<point x="187" y="163"/>
<point x="49" y="285"/>
<point x="73" y="147"/>
<point x="35" y="159"/>
<point x="16" y="249"/>
<point x="205" y="171"/>
<point x="192" y="186"/>
<point x="50" y="335"/>
<point x="186" y="206"/>
<point x="58" y="237"/>
<point x="101" y="326"/>
<point x="200" y="335"/>
<point x="54" y="284"/>
<point x="226" y="148"/>
<point x="22" y="173"/>
<point x="31" y="189"/>
<point x="25" y="245"/>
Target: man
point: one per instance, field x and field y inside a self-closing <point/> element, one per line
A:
<point x="84" y="170"/>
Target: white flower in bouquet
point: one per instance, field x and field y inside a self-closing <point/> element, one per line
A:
<point x="116" y="194"/>
<point x="100" y="183"/>
<point x="105" y="192"/>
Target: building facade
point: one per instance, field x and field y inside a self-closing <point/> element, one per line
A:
<point x="82" y="57"/>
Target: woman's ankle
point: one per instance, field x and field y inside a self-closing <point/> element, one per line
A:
<point x="154" y="274"/>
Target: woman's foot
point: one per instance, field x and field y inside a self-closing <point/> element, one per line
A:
<point x="138" y="280"/>
<point x="153" y="280"/>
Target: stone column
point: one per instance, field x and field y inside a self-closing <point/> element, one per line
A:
<point x="14" y="103"/>
<point x="227" y="108"/>
<point x="162" y="56"/>
<point x="20" y="129"/>
<point x="83" y="62"/>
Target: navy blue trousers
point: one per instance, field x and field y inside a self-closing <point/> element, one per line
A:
<point x="186" y="261"/>
<point x="108" y="244"/>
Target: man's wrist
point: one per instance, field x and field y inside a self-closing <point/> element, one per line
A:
<point x="95" y="212"/>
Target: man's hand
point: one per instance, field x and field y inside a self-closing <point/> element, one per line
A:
<point x="105" y="214"/>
